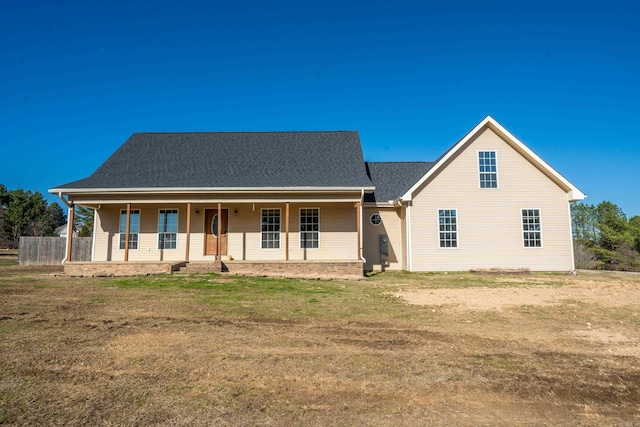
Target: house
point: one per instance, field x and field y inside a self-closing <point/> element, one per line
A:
<point x="306" y="203"/>
<point x="62" y="230"/>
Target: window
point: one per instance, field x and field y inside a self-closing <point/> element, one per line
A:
<point x="531" y="231"/>
<point x="488" y="169"/>
<point x="270" y="228"/>
<point x="168" y="229"/>
<point x="375" y="219"/>
<point x="448" y="228"/>
<point x="134" y="228"/>
<point x="309" y="228"/>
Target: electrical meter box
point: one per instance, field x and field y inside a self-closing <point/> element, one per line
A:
<point x="384" y="244"/>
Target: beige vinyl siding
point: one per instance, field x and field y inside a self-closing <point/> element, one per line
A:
<point x="490" y="219"/>
<point x="245" y="233"/>
<point x="102" y="228"/>
<point x="391" y="225"/>
<point x="338" y="232"/>
<point x="107" y="234"/>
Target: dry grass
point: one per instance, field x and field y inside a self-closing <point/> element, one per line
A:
<point x="218" y="350"/>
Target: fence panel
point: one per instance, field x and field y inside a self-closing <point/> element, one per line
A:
<point x="52" y="250"/>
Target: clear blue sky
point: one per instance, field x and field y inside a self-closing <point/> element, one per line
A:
<point x="77" y="78"/>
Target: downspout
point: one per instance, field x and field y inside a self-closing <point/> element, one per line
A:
<point x="69" y="229"/>
<point x="573" y="256"/>
<point x="407" y="206"/>
<point x="93" y="234"/>
<point x="364" y="260"/>
<point x="69" y="242"/>
<point x="409" y="238"/>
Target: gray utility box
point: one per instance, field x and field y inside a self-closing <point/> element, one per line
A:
<point x="384" y="244"/>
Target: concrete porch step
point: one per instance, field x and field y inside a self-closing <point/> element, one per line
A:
<point x="202" y="267"/>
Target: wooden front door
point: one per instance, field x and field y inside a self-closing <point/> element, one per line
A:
<point x="211" y="231"/>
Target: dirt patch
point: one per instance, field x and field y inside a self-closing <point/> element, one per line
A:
<point x="616" y="293"/>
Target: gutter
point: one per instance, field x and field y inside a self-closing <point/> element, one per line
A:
<point x="222" y="190"/>
<point x="62" y="198"/>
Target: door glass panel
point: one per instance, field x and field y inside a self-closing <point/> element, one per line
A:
<point x="214" y="225"/>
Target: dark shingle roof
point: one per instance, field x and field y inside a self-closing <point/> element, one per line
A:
<point x="393" y="179"/>
<point x="233" y="160"/>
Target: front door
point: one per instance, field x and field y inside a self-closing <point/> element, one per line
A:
<point x="211" y="230"/>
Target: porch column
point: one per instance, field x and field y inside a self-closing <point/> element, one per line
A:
<point x="72" y="210"/>
<point x="218" y="245"/>
<point x="188" y="243"/>
<point x="286" y="228"/>
<point x="127" y="231"/>
<point x="359" y="226"/>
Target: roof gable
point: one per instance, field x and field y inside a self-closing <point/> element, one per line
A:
<point x="572" y="191"/>
<point x="223" y="160"/>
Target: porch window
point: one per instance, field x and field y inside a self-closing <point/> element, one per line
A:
<point x="448" y="228"/>
<point x="168" y="229"/>
<point x="134" y="228"/>
<point x="270" y="228"/>
<point x="488" y="169"/>
<point x="309" y="228"/>
<point x="531" y="231"/>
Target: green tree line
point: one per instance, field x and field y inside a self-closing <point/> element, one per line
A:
<point x="27" y="213"/>
<point x="604" y="238"/>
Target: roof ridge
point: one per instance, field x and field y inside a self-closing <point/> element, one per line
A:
<point x="405" y="161"/>
<point x="243" y="132"/>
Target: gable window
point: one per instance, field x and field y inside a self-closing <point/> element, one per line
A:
<point x="448" y="228"/>
<point x="309" y="228"/>
<point x="375" y="219"/>
<point x="168" y="229"/>
<point x="270" y="228"/>
<point x="134" y="228"/>
<point x="488" y="169"/>
<point x="531" y="231"/>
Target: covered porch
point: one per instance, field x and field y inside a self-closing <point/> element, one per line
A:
<point x="296" y="237"/>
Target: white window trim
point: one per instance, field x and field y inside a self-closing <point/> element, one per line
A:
<point x="478" y="170"/>
<point x="371" y="219"/>
<point x="457" y="229"/>
<point x="541" y="229"/>
<point x="177" y="230"/>
<point x="300" y="224"/>
<point x="279" y="232"/>
<point x="139" y="225"/>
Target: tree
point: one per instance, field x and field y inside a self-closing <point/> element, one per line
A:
<point x="84" y="218"/>
<point x="612" y="223"/>
<point x="56" y="215"/>
<point x="4" y="196"/>
<point x="25" y="214"/>
<point x="583" y="220"/>
<point x="604" y="238"/>
<point x="634" y="228"/>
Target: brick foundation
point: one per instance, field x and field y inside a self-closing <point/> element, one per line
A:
<point x="120" y="268"/>
<point x="293" y="269"/>
<point x="297" y="269"/>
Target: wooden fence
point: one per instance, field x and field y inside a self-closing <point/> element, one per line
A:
<point x="52" y="250"/>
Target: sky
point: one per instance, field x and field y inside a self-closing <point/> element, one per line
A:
<point x="78" y="78"/>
